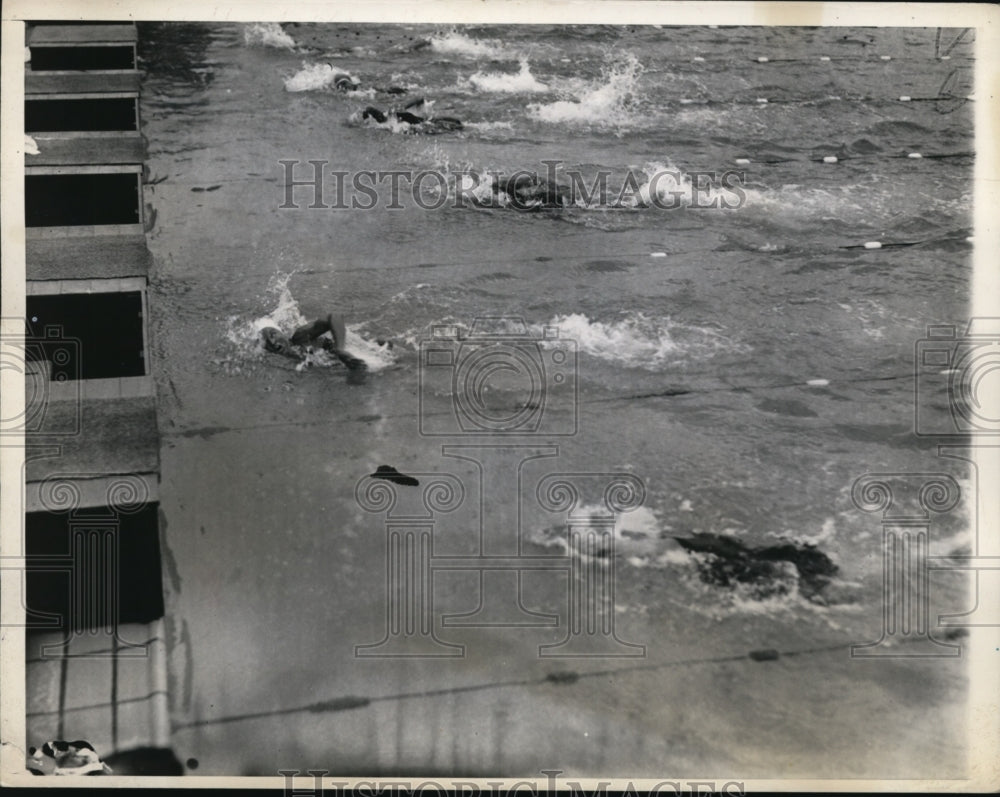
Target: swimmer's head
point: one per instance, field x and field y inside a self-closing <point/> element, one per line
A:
<point x="345" y="82"/>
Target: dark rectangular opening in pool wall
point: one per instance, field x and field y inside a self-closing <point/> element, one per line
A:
<point x="67" y="200"/>
<point x="45" y="59"/>
<point x="108" y="561"/>
<point x="57" y="116"/>
<point x="104" y="332"/>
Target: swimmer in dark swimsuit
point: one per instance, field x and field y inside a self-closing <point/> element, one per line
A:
<point x="406" y="117"/>
<point x="528" y="191"/>
<point x="344" y="81"/>
<point x="307" y="333"/>
<point x="329" y="333"/>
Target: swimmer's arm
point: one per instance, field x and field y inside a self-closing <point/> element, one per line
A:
<point x="338" y="330"/>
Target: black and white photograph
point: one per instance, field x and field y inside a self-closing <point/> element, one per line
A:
<point x="557" y="396"/>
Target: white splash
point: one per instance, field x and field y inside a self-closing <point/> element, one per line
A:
<point x="522" y="82"/>
<point x="609" y="101"/>
<point x="312" y="77"/>
<point x="637" y="340"/>
<point x="636" y="533"/>
<point x="267" y="34"/>
<point x="455" y="43"/>
<point x="487" y="126"/>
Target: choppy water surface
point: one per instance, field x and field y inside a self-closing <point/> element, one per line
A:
<point x="697" y="332"/>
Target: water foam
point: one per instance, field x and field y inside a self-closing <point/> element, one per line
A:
<point x="522" y="82"/>
<point x="634" y="340"/>
<point x="488" y="126"/>
<point x="667" y="186"/>
<point x="635" y="532"/>
<point x="643" y="542"/>
<point x="312" y="77"/>
<point x="790" y="205"/>
<point x="267" y="34"/>
<point x="779" y="598"/>
<point x="455" y="43"/>
<point x="639" y="341"/>
<point x="609" y="100"/>
<point x="870" y="316"/>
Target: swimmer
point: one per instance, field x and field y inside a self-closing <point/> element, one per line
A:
<point x="277" y="343"/>
<point x="425" y="123"/>
<point x="344" y="81"/>
<point x="529" y="191"/>
<point x="310" y="332"/>
<point x="328" y="333"/>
